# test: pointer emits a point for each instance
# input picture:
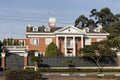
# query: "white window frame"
(35, 28)
(69, 43)
(48, 41)
(87, 41)
(34, 41)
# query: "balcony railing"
(16, 47)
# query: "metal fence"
(75, 61)
(14, 61)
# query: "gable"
(70, 29)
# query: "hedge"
(76, 70)
(1, 68)
(23, 75)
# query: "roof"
(41, 29)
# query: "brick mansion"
(68, 39)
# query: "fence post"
(3, 59)
(118, 58)
(25, 60)
(36, 62)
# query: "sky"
(15, 15)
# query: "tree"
(96, 51)
(115, 42)
(114, 30)
(33, 58)
(104, 17)
(1, 44)
(31, 53)
(81, 21)
(52, 50)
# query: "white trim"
(118, 53)
(65, 53)
(25, 54)
(70, 35)
(97, 34)
(74, 48)
(70, 26)
(2, 54)
(57, 41)
(17, 51)
(37, 33)
(34, 36)
(81, 41)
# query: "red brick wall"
(3, 62)
(41, 46)
(93, 39)
(25, 61)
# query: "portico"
(69, 44)
(69, 40)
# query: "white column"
(74, 54)
(65, 47)
(81, 41)
(57, 41)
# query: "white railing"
(16, 47)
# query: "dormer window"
(86, 29)
(35, 28)
(97, 30)
(47, 29)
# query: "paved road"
(78, 75)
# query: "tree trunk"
(98, 65)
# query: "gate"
(14, 61)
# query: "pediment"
(70, 29)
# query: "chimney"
(29, 28)
(52, 22)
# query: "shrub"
(23, 75)
(52, 50)
(1, 69)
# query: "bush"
(23, 75)
(52, 50)
(1, 69)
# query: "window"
(87, 30)
(97, 30)
(34, 41)
(48, 41)
(69, 43)
(47, 29)
(35, 28)
(87, 41)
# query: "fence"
(75, 61)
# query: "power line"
(31, 19)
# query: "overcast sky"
(15, 15)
